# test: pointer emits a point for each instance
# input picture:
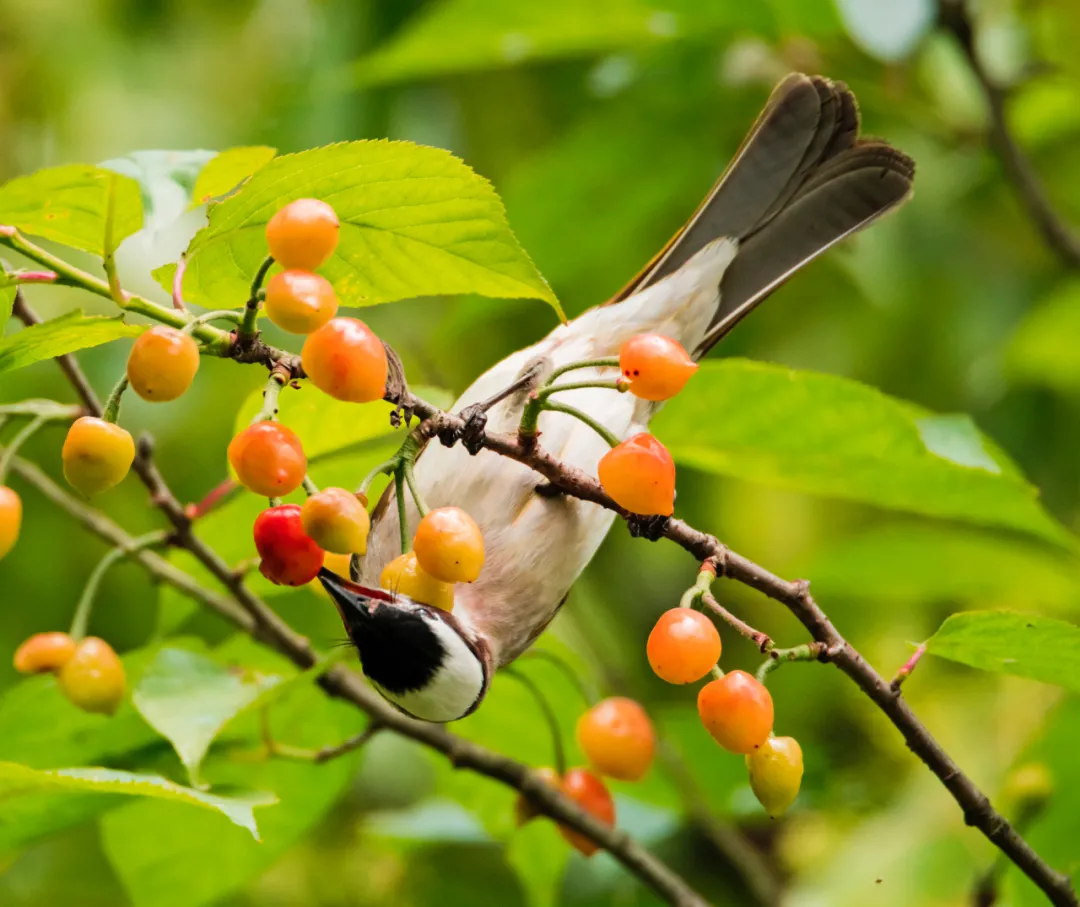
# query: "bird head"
(418, 657)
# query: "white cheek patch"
(454, 688)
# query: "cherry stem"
(609, 362)
(309, 486)
(217, 315)
(705, 578)
(903, 674)
(545, 392)
(178, 285)
(16, 442)
(549, 717)
(81, 619)
(759, 639)
(251, 309)
(403, 516)
(269, 409)
(109, 258)
(601, 430)
(808, 651)
(16, 277)
(213, 498)
(414, 490)
(538, 402)
(587, 691)
(111, 411)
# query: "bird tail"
(801, 182)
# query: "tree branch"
(954, 18)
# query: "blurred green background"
(602, 123)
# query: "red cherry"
(590, 793)
(639, 475)
(289, 556)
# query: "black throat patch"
(398, 648)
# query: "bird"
(802, 180)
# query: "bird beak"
(354, 602)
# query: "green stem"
(692, 596)
(403, 517)
(611, 361)
(383, 469)
(109, 258)
(410, 478)
(81, 619)
(251, 310)
(549, 717)
(46, 408)
(550, 389)
(309, 486)
(601, 430)
(806, 652)
(217, 315)
(270, 399)
(13, 446)
(219, 342)
(587, 691)
(112, 403)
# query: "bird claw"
(471, 430)
(647, 527)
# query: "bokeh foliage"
(600, 124)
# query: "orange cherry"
(97, 455)
(44, 652)
(303, 234)
(162, 363)
(590, 793)
(657, 367)
(639, 476)
(737, 711)
(299, 301)
(268, 459)
(10, 519)
(346, 360)
(449, 545)
(93, 677)
(617, 738)
(683, 646)
(404, 575)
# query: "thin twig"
(759, 639)
(905, 671)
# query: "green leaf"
(7, 302)
(1024, 645)
(415, 221)
(64, 334)
(539, 855)
(1043, 351)
(227, 171)
(67, 204)
(188, 698)
(831, 436)
(28, 792)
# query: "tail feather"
(801, 181)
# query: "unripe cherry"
(299, 301)
(268, 459)
(449, 545)
(303, 234)
(657, 367)
(737, 710)
(639, 476)
(44, 652)
(776, 770)
(590, 793)
(162, 363)
(683, 646)
(346, 360)
(404, 576)
(337, 521)
(524, 808)
(617, 738)
(93, 677)
(10, 519)
(288, 555)
(97, 455)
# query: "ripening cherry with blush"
(639, 476)
(404, 575)
(592, 795)
(299, 301)
(162, 363)
(683, 646)
(737, 711)
(449, 545)
(10, 519)
(776, 770)
(44, 652)
(657, 367)
(337, 521)
(303, 234)
(93, 677)
(617, 738)
(288, 555)
(346, 360)
(268, 459)
(97, 455)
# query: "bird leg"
(647, 527)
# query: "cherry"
(337, 521)
(268, 459)
(97, 455)
(683, 646)
(346, 360)
(617, 738)
(657, 367)
(449, 545)
(589, 792)
(737, 710)
(776, 770)
(162, 363)
(405, 576)
(93, 677)
(300, 302)
(335, 563)
(524, 808)
(303, 234)
(44, 652)
(639, 476)
(10, 519)
(289, 556)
